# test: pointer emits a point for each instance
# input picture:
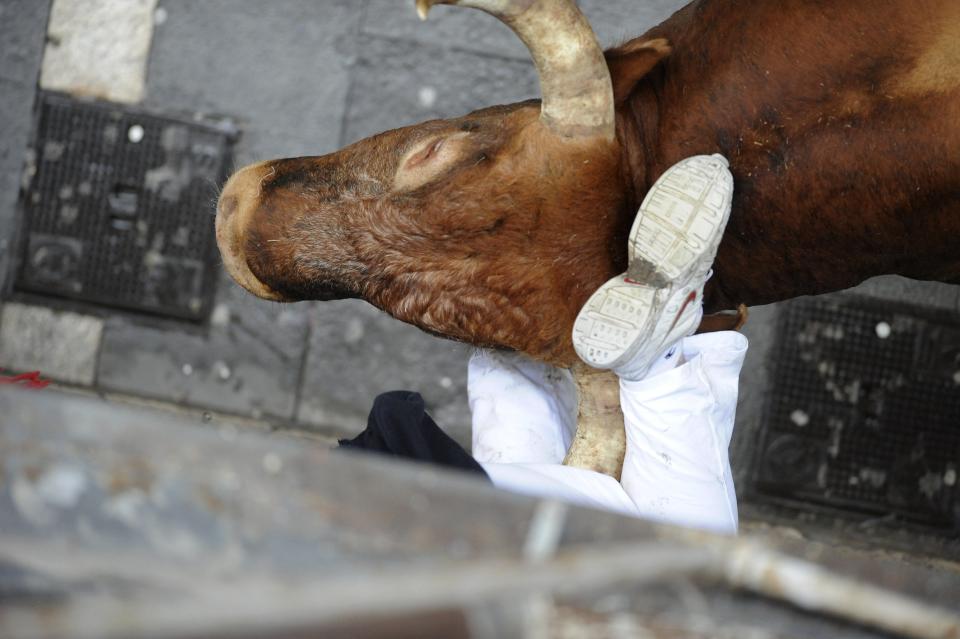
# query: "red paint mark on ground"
(25, 380)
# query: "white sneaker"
(636, 316)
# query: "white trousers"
(679, 420)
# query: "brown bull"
(841, 121)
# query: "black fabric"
(399, 426)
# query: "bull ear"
(630, 62)
(428, 160)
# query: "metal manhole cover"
(119, 210)
(864, 413)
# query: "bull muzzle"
(238, 202)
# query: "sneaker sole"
(678, 226)
(680, 218)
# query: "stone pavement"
(301, 77)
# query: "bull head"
(492, 228)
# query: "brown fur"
(837, 179)
(470, 253)
(841, 121)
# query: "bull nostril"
(228, 206)
(233, 243)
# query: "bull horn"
(574, 79)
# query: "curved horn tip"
(424, 6)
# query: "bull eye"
(424, 155)
(434, 148)
(430, 159)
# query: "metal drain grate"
(119, 210)
(865, 411)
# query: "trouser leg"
(679, 424)
(399, 426)
(522, 411)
